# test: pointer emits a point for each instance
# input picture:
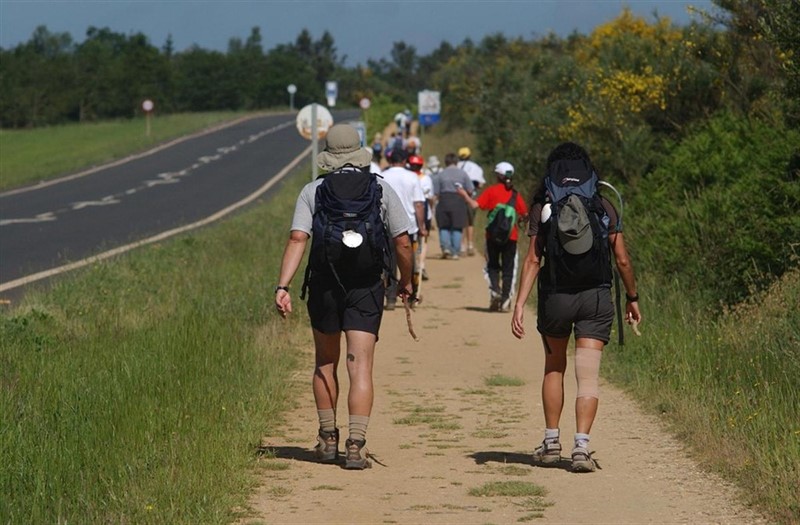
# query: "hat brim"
(328, 161)
(579, 244)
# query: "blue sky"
(361, 29)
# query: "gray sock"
(327, 419)
(551, 434)
(358, 427)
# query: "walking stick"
(407, 308)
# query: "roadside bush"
(722, 212)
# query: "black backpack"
(572, 194)
(501, 221)
(349, 240)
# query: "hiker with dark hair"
(351, 215)
(506, 208)
(575, 230)
(451, 212)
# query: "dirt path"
(439, 430)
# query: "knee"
(587, 371)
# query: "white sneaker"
(506, 306)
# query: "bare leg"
(555, 364)
(326, 381)
(360, 357)
(586, 407)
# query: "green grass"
(137, 390)
(730, 387)
(30, 156)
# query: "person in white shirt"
(407, 186)
(475, 173)
(415, 163)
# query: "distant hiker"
(415, 164)
(506, 207)
(432, 167)
(451, 211)
(475, 173)
(413, 145)
(406, 185)
(343, 212)
(574, 229)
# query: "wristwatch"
(632, 298)
(284, 288)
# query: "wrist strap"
(632, 298)
(284, 288)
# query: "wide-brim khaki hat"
(343, 148)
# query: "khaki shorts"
(589, 312)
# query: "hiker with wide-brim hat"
(340, 303)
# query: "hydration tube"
(617, 228)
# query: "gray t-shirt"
(447, 179)
(392, 211)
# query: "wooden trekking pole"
(407, 308)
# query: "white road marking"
(163, 178)
(161, 236)
(42, 217)
(164, 146)
(105, 201)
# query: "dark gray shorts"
(331, 310)
(590, 312)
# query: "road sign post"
(313, 122)
(292, 89)
(147, 106)
(430, 107)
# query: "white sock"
(551, 434)
(582, 440)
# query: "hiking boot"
(357, 455)
(446, 254)
(495, 301)
(391, 305)
(547, 453)
(454, 257)
(582, 460)
(424, 275)
(327, 448)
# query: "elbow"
(624, 264)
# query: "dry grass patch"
(503, 380)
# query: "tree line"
(53, 79)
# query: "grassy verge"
(29, 156)
(136, 391)
(729, 387)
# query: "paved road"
(49, 227)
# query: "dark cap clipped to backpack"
(343, 147)
(574, 229)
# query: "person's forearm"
(402, 245)
(530, 270)
(292, 256)
(625, 269)
(419, 212)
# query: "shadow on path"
(507, 458)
